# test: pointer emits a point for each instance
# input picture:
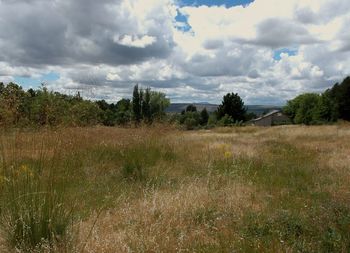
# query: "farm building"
(273, 118)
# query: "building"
(272, 118)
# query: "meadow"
(159, 189)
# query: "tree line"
(41, 107)
(329, 106)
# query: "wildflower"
(26, 170)
(228, 155)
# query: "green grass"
(33, 212)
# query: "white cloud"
(104, 47)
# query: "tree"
(43, 107)
(103, 105)
(250, 116)
(233, 106)
(303, 109)
(204, 117)
(340, 94)
(2, 87)
(47, 108)
(12, 108)
(146, 106)
(123, 111)
(191, 120)
(158, 103)
(136, 104)
(85, 113)
(327, 109)
(109, 112)
(191, 108)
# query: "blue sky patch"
(227, 3)
(182, 19)
(27, 82)
(277, 53)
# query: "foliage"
(250, 116)
(331, 105)
(123, 113)
(12, 108)
(109, 113)
(226, 120)
(47, 108)
(302, 109)
(85, 113)
(42, 107)
(191, 108)
(204, 117)
(158, 103)
(192, 119)
(146, 106)
(339, 94)
(233, 106)
(212, 121)
(136, 104)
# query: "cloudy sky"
(268, 51)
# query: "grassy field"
(248, 189)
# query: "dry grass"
(222, 190)
(169, 221)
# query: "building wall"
(267, 121)
(280, 118)
(274, 119)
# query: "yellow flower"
(228, 155)
(25, 169)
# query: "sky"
(267, 51)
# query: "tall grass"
(33, 212)
(281, 189)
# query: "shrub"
(226, 121)
(85, 113)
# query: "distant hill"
(178, 107)
(257, 109)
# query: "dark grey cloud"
(332, 9)
(277, 33)
(253, 74)
(306, 16)
(66, 32)
(213, 44)
(327, 11)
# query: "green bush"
(226, 121)
(85, 113)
